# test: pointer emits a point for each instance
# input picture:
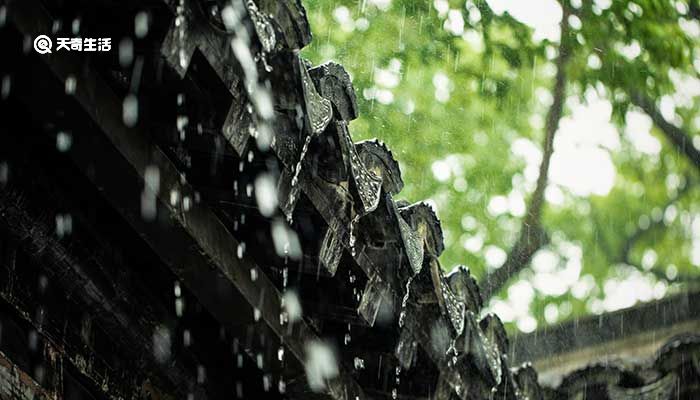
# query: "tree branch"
(532, 235)
(674, 134)
(694, 9)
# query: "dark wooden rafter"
(78, 279)
(111, 288)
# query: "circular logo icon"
(43, 44)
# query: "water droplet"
(280, 353)
(64, 140)
(126, 52)
(75, 26)
(292, 306)
(141, 24)
(266, 382)
(186, 338)
(71, 84)
(174, 197)
(179, 306)
(6, 87)
(64, 225)
(130, 110)
(359, 363)
(321, 365)
(201, 374)
(404, 302)
(4, 172)
(3, 15)
(161, 344)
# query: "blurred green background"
(461, 91)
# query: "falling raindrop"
(182, 122)
(180, 24)
(39, 373)
(64, 140)
(292, 305)
(280, 354)
(70, 85)
(404, 302)
(201, 374)
(33, 340)
(141, 22)
(256, 314)
(130, 110)
(126, 52)
(161, 344)
(320, 365)
(285, 240)
(4, 172)
(294, 190)
(75, 26)
(64, 225)
(179, 306)
(352, 235)
(151, 177)
(6, 87)
(174, 197)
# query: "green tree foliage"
(461, 94)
